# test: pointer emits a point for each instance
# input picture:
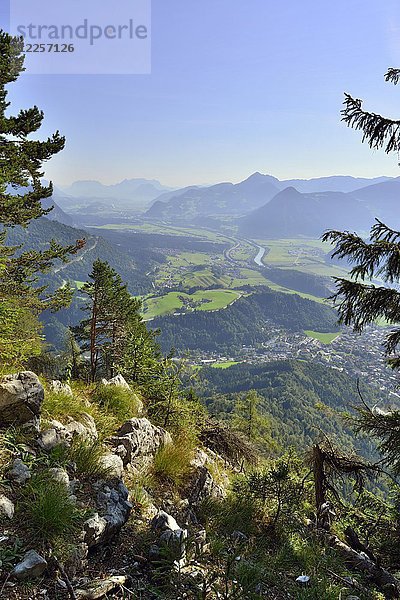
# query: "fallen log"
(386, 582)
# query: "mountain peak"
(288, 192)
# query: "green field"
(176, 301)
(204, 234)
(306, 255)
(224, 365)
(324, 338)
(217, 298)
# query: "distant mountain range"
(340, 194)
(292, 214)
(125, 190)
(263, 206)
(86, 198)
(224, 199)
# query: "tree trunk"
(319, 477)
(389, 585)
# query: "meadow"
(324, 338)
(179, 301)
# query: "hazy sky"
(236, 87)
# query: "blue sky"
(236, 87)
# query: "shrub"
(87, 457)
(121, 403)
(138, 495)
(47, 510)
(234, 513)
(181, 416)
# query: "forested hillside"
(302, 400)
(40, 232)
(245, 322)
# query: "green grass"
(169, 303)
(121, 403)
(61, 407)
(306, 255)
(218, 298)
(172, 462)
(184, 259)
(162, 305)
(280, 288)
(87, 457)
(249, 277)
(47, 511)
(204, 234)
(325, 338)
(225, 365)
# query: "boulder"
(117, 380)
(21, 397)
(32, 565)
(164, 522)
(172, 540)
(20, 472)
(60, 475)
(59, 434)
(202, 486)
(86, 427)
(113, 464)
(95, 528)
(113, 510)
(6, 507)
(99, 588)
(138, 438)
(61, 388)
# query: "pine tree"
(21, 195)
(360, 301)
(112, 312)
(249, 420)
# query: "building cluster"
(359, 355)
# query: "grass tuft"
(172, 462)
(87, 458)
(47, 510)
(118, 402)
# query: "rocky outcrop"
(113, 465)
(61, 476)
(21, 396)
(59, 434)
(202, 486)
(113, 512)
(99, 588)
(138, 439)
(117, 380)
(172, 540)
(32, 565)
(61, 388)
(6, 507)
